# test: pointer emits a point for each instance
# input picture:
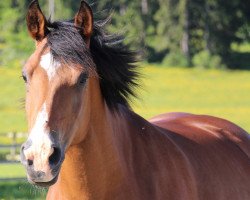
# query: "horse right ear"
(84, 20)
(36, 22)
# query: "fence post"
(14, 145)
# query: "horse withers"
(86, 143)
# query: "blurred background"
(196, 59)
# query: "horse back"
(203, 127)
(217, 150)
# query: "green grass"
(17, 189)
(20, 190)
(12, 116)
(12, 171)
(224, 94)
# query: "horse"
(85, 142)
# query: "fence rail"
(12, 155)
(13, 146)
(8, 146)
(12, 179)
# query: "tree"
(221, 21)
(13, 40)
(162, 28)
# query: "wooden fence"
(13, 151)
(13, 146)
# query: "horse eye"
(24, 78)
(82, 79)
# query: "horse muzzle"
(42, 164)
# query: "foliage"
(14, 44)
(175, 59)
(155, 27)
(205, 60)
(171, 21)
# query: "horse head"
(57, 77)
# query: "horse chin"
(44, 184)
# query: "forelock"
(67, 45)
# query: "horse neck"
(92, 165)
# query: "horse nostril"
(55, 157)
(30, 162)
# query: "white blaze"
(49, 65)
(41, 149)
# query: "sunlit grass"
(12, 171)
(20, 190)
(224, 94)
(12, 116)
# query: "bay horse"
(85, 142)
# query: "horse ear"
(84, 19)
(36, 22)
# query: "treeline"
(173, 32)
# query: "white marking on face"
(49, 65)
(41, 149)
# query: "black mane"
(108, 55)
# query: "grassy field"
(224, 94)
(11, 94)
(17, 189)
(12, 171)
(20, 190)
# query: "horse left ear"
(36, 22)
(84, 20)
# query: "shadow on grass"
(20, 190)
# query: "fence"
(9, 151)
